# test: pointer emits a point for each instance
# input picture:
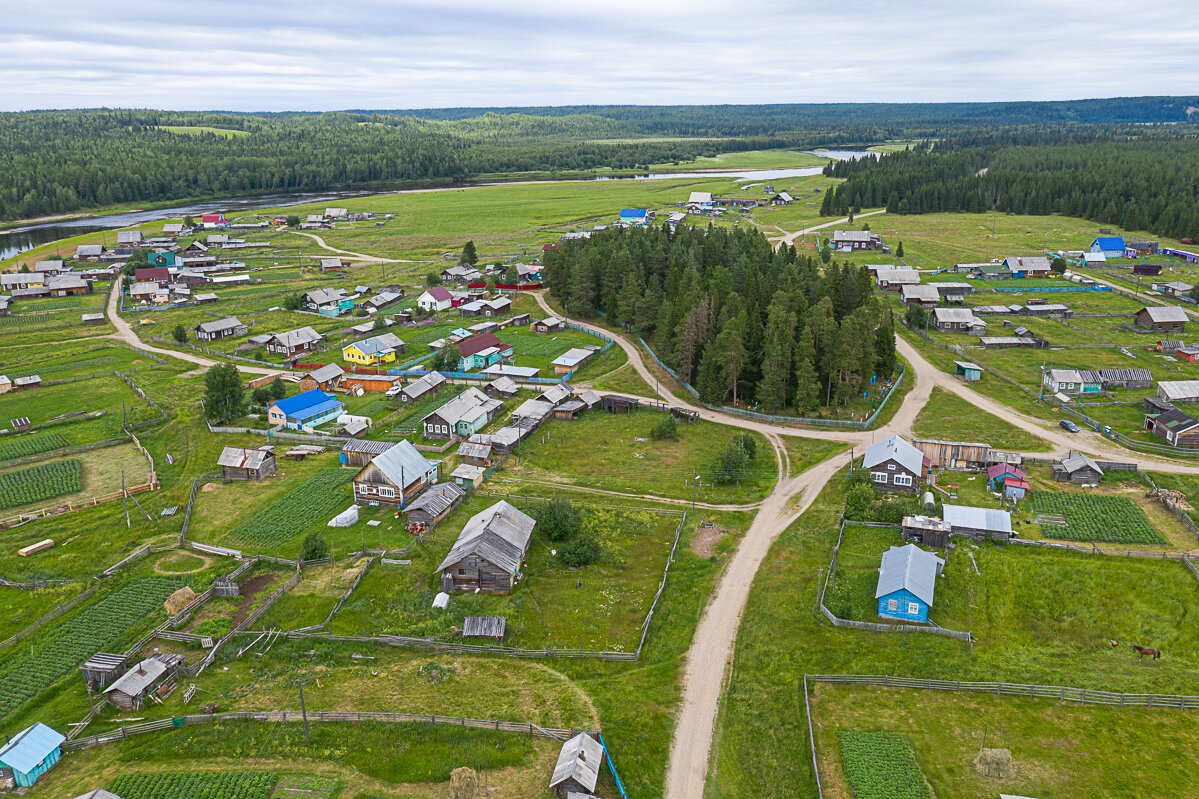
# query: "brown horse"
(1144, 650)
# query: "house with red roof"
(435, 299)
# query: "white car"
(394, 391)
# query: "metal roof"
(465, 471)
(380, 343)
(29, 747)
(533, 409)
(990, 519)
(573, 357)
(955, 315)
(367, 446)
(99, 793)
(1178, 390)
(504, 385)
(307, 403)
(1077, 460)
(968, 365)
(908, 568)
(439, 498)
(895, 448)
(216, 326)
(402, 464)
(298, 337)
(329, 371)
(500, 535)
(556, 394)
(469, 405)
(135, 681)
(1159, 314)
(580, 760)
(1109, 242)
(470, 449)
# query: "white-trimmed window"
(903, 480)
(913, 609)
(386, 491)
(893, 604)
(890, 467)
(878, 477)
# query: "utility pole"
(304, 711)
(694, 480)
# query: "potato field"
(49, 655)
(1095, 518)
(196, 785)
(313, 500)
(881, 765)
(44, 481)
(24, 446)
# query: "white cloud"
(374, 54)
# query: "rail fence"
(62, 452)
(56, 612)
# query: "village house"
(487, 308)
(129, 238)
(129, 691)
(383, 299)
(13, 281)
(90, 252)
(435, 503)
(153, 274)
(463, 415)
(490, 551)
(481, 351)
(331, 264)
(421, 386)
(953, 292)
(1175, 288)
(572, 359)
(1176, 427)
(781, 198)
(460, 273)
(1161, 319)
(926, 296)
(330, 302)
(635, 217)
(504, 387)
(173, 229)
(437, 298)
(29, 754)
(305, 410)
(240, 463)
(144, 292)
(294, 342)
(1094, 260)
(1110, 246)
(220, 328)
(49, 268)
(1178, 391)
(1077, 467)
(1036, 266)
(326, 378)
(550, 324)
(894, 465)
(214, 221)
(958, 320)
(978, 523)
(578, 767)
(395, 476)
(377, 349)
(1072, 382)
(699, 201)
(853, 240)
(907, 581)
(68, 285)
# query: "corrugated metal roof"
(908, 568)
(305, 403)
(468, 449)
(896, 448)
(437, 499)
(329, 371)
(239, 458)
(580, 759)
(135, 681)
(402, 464)
(990, 519)
(1160, 314)
(1178, 390)
(30, 747)
(367, 446)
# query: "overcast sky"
(302, 55)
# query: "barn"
(978, 523)
(490, 551)
(953, 454)
(907, 580)
(435, 504)
(358, 452)
(29, 754)
(1161, 318)
(238, 463)
(130, 690)
(1077, 467)
(927, 530)
(578, 766)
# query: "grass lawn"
(101, 394)
(602, 450)
(1058, 750)
(1040, 616)
(20, 608)
(950, 418)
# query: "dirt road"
(126, 334)
(374, 259)
(791, 237)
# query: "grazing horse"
(1144, 650)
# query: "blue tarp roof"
(307, 404)
(1110, 242)
(634, 212)
(29, 747)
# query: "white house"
(437, 298)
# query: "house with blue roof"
(635, 216)
(907, 579)
(31, 753)
(306, 410)
(1110, 246)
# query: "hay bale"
(464, 783)
(995, 763)
(179, 600)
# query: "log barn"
(490, 551)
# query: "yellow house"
(375, 350)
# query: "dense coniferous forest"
(54, 162)
(1138, 183)
(733, 316)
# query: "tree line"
(1142, 182)
(732, 315)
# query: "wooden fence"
(344, 596)
(342, 716)
(460, 648)
(57, 611)
(198, 667)
(61, 452)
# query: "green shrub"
(557, 520)
(667, 428)
(583, 551)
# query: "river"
(18, 240)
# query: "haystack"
(179, 600)
(464, 783)
(994, 763)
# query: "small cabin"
(906, 583)
(129, 692)
(29, 754)
(238, 463)
(490, 552)
(435, 504)
(578, 766)
(1077, 467)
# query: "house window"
(878, 477)
(892, 604)
(913, 609)
(890, 467)
(462, 571)
(903, 480)
(386, 491)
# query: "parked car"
(1068, 426)
(394, 391)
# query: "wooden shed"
(238, 463)
(490, 551)
(954, 454)
(927, 530)
(435, 504)
(476, 454)
(614, 403)
(578, 766)
(130, 690)
(569, 410)
(1077, 467)
(102, 669)
(327, 378)
(358, 452)
(492, 627)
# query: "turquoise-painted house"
(31, 753)
(161, 258)
(907, 579)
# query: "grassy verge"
(947, 416)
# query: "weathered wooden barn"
(1077, 467)
(239, 463)
(954, 454)
(435, 503)
(490, 551)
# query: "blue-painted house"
(31, 753)
(309, 409)
(635, 216)
(1110, 246)
(907, 579)
(161, 258)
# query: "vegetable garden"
(316, 498)
(40, 482)
(196, 784)
(60, 650)
(1095, 518)
(882, 765)
(68, 366)
(24, 446)
(25, 319)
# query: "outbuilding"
(435, 503)
(29, 754)
(130, 690)
(490, 551)
(239, 463)
(326, 378)
(358, 452)
(1161, 318)
(967, 372)
(978, 523)
(578, 766)
(467, 477)
(1077, 467)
